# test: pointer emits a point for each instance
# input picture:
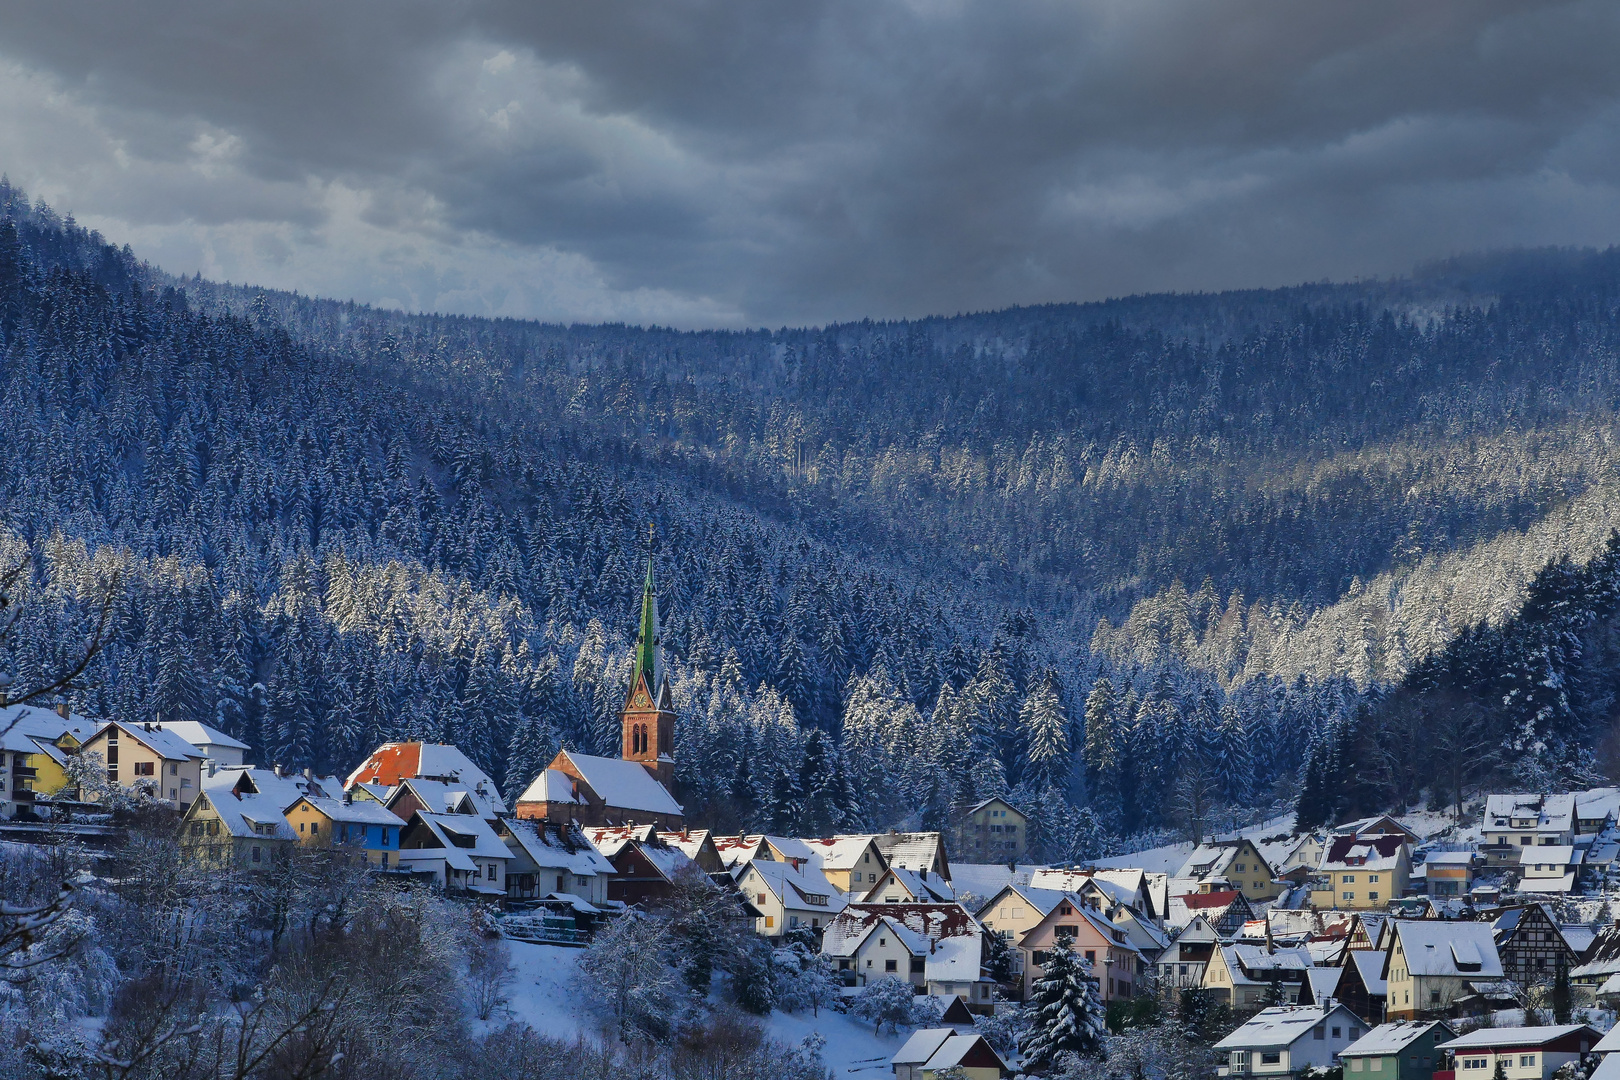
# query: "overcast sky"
(761, 162)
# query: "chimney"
(213, 766)
(61, 708)
(147, 726)
(308, 775)
(276, 769)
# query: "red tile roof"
(1219, 899)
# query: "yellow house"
(1231, 863)
(852, 864)
(362, 827)
(144, 755)
(1431, 962)
(35, 744)
(1362, 872)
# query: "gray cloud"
(696, 162)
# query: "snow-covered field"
(543, 996)
(1168, 859)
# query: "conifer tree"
(1066, 1015)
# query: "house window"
(1091, 956)
(1319, 1032)
(891, 965)
(255, 852)
(1240, 1060)
(1373, 878)
(1270, 1057)
(1336, 1032)
(145, 768)
(314, 827)
(916, 965)
(1372, 895)
(490, 871)
(1347, 895)
(174, 768)
(1348, 879)
(1434, 997)
(1527, 1061)
(770, 921)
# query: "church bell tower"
(649, 709)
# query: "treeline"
(1531, 702)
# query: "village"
(1486, 948)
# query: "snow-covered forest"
(1130, 561)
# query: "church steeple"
(649, 655)
(648, 719)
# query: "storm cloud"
(699, 163)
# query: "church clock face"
(641, 700)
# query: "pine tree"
(1046, 732)
(1065, 1013)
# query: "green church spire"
(647, 658)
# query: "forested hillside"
(1142, 559)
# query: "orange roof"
(390, 763)
(1194, 901)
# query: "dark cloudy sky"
(764, 162)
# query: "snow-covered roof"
(624, 785)
(789, 848)
(1324, 981)
(1435, 947)
(954, 1049)
(1554, 859)
(466, 833)
(1252, 964)
(915, 943)
(245, 813)
(201, 735)
(1449, 858)
(537, 843)
(283, 791)
(1392, 1038)
(1579, 938)
(921, 887)
(799, 889)
(737, 850)
(156, 738)
(1562, 883)
(1363, 853)
(37, 722)
(688, 842)
(1278, 1026)
(392, 762)
(442, 798)
(611, 839)
(838, 852)
(1598, 803)
(913, 850)
(1486, 1038)
(954, 960)
(364, 812)
(1543, 813)
(1370, 966)
(921, 1046)
(1042, 900)
(987, 879)
(669, 861)
(551, 786)
(932, 921)
(380, 792)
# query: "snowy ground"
(542, 994)
(544, 997)
(1168, 859)
(851, 1051)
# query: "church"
(637, 787)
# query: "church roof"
(624, 785)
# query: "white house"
(217, 747)
(1513, 822)
(1525, 1053)
(787, 898)
(1285, 1041)
(1549, 869)
(460, 851)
